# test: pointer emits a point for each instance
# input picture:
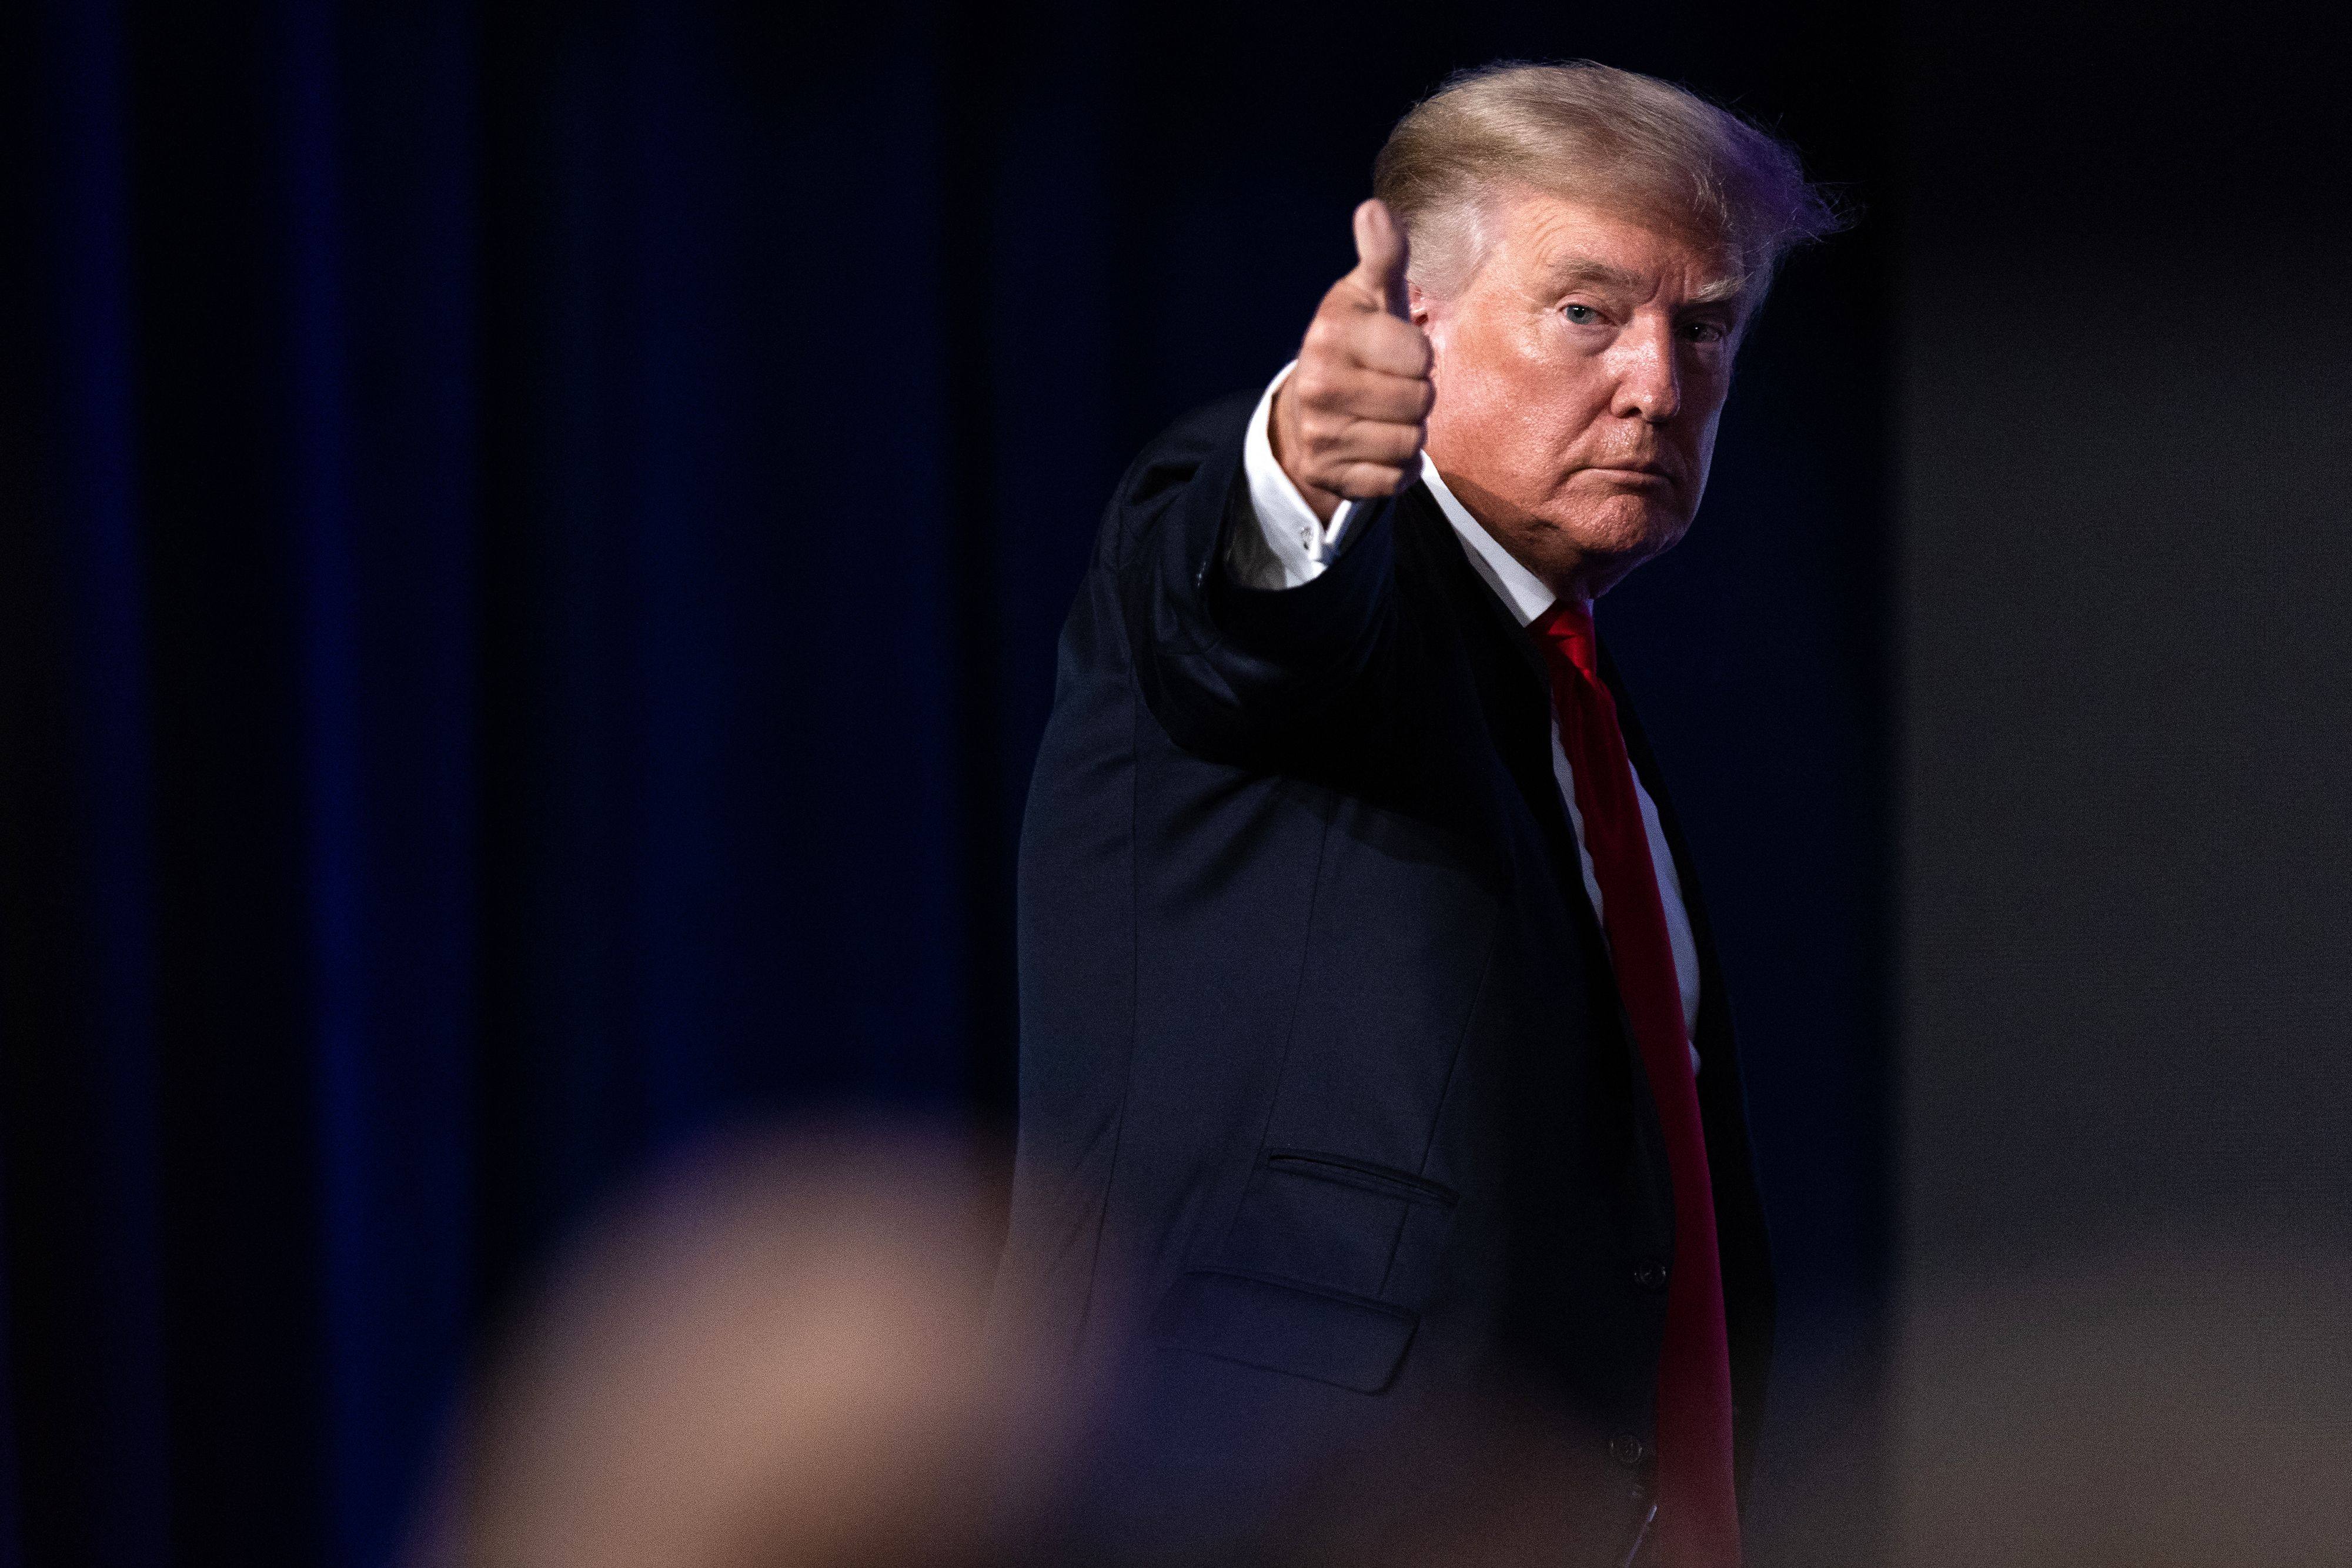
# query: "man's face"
(1580, 373)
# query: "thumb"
(1381, 256)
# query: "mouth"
(1634, 473)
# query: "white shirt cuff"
(1290, 545)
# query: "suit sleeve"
(1229, 669)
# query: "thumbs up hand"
(1351, 421)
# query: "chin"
(1623, 529)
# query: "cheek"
(1702, 440)
(1469, 396)
(1489, 425)
(1509, 407)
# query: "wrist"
(1321, 502)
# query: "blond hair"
(1591, 132)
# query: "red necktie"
(1698, 1517)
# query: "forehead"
(1547, 242)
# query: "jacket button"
(1627, 1449)
(1651, 1276)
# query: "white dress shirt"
(1291, 546)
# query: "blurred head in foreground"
(769, 1357)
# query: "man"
(1373, 1051)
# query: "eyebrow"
(1583, 269)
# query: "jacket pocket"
(1360, 1173)
(1341, 1224)
(1281, 1327)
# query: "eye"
(1581, 315)
(1705, 331)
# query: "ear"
(1417, 303)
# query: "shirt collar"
(1521, 590)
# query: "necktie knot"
(1566, 629)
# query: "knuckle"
(1347, 399)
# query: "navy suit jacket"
(1328, 1108)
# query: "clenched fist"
(1351, 421)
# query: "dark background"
(532, 543)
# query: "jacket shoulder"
(1165, 466)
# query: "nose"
(1649, 378)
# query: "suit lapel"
(1741, 1241)
(1514, 687)
(1645, 768)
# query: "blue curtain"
(533, 541)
